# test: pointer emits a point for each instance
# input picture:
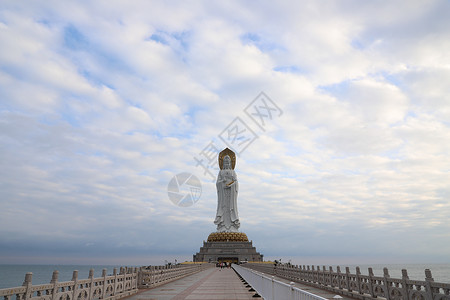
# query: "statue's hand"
(229, 184)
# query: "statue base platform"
(231, 247)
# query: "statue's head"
(227, 162)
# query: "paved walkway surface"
(212, 283)
(215, 283)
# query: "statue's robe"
(227, 217)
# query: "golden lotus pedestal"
(231, 247)
(227, 237)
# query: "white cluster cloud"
(101, 104)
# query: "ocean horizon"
(13, 275)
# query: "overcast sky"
(102, 103)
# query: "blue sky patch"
(159, 38)
(357, 44)
(262, 44)
(288, 69)
(337, 88)
(174, 40)
(74, 39)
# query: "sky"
(338, 112)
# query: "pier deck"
(212, 283)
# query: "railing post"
(28, 283)
(152, 275)
(91, 285)
(358, 280)
(428, 280)
(115, 280)
(75, 284)
(331, 277)
(387, 284)
(139, 277)
(313, 274)
(339, 277)
(405, 288)
(302, 273)
(55, 283)
(372, 292)
(104, 283)
(347, 278)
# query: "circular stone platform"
(227, 237)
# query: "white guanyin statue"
(227, 218)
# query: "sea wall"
(358, 286)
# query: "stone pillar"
(309, 274)
(139, 277)
(405, 288)
(28, 284)
(387, 285)
(358, 280)
(347, 278)
(75, 284)
(318, 274)
(428, 280)
(28, 279)
(339, 276)
(331, 277)
(91, 286)
(115, 280)
(54, 280)
(75, 275)
(55, 276)
(104, 283)
(372, 292)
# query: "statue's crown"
(224, 153)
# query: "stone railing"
(107, 287)
(365, 287)
(114, 286)
(157, 275)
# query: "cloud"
(101, 105)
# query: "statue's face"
(227, 162)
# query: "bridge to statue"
(245, 281)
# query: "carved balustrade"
(360, 286)
(107, 287)
(157, 275)
(113, 286)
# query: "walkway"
(212, 283)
